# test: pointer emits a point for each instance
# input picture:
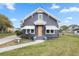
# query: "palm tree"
(4, 23)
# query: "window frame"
(41, 16)
(50, 31)
(30, 31)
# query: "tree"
(4, 23)
(74, 26)
(63, 28)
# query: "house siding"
(34, 17)
(53, 35)
(49, 21)
(30, 20)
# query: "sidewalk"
(8, 39)
(20, 46)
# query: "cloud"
(71, 9)
(69, 18)
(13, 19)
(54, 6)
(14, 22)
(67, 21)
(10, 6)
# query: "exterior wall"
(48, 19)
(10, 30)
(24, 32)
(30, 20)
(53, 35)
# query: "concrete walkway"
(20, 46)
(8, 39)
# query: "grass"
(65, 45)
(2, 35)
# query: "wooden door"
(40, 31)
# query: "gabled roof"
(43, 11)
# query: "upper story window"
(40, 16)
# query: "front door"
(40, 30)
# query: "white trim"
(26, 31)
(36, 11)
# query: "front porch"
(41, 31)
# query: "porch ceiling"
(40, 22)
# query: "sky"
(67, 13)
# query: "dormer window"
(40, 16)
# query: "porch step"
(40, 37)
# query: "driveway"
(8, 39)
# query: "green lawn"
(64, 45)
(2, 35)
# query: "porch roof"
(28, 27)
(52, 27)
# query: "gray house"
(40, 24)
(76, 31)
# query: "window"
(23, 31)
(28, 30)
(77, 31)
(47, 31)
(52, 31)
(32, 30)
(40, 16)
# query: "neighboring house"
(40, 24)
(8, 29)
(76, 31)
(72, 29)
(11, 30)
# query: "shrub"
(24, 36)
(18, 32)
